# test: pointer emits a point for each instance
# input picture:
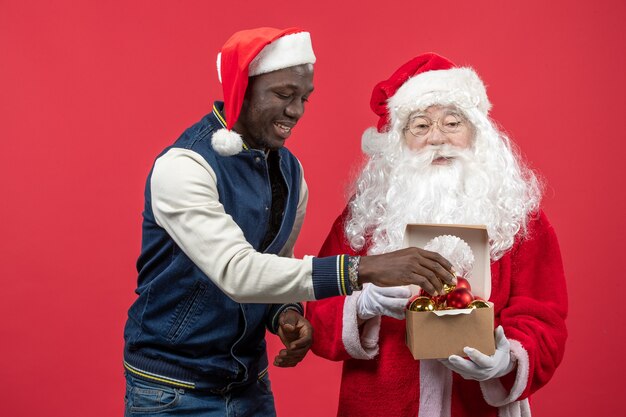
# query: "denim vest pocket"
(186, 311)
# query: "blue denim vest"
(183, 330)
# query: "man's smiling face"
(273, 104)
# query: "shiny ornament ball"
(448, 288)
(459, 298)
(478, 304)
(423, 293)
(463, 283)
(440, 301)
(421, 303)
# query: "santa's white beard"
(395, 190)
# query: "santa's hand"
(481, 367)
(382, 301)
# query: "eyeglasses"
(421, 125)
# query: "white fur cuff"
(359, 345)
(493, 391)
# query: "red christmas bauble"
(440, 301)
(423, 293)
(459, 298)
(463, 283)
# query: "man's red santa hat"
(425, 80)
(248, 53)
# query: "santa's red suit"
(381, 378)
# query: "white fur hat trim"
(458, 86)
(284, 52)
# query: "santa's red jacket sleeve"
(530, 299)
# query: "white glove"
(378, 301)
(481, 367)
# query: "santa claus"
(436, 157)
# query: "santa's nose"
(436, 136)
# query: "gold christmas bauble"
(448, 288)
(422, 304)
(478, 304)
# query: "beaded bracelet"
(353, 273)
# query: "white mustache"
(446, 152)
(426, 156)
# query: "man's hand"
(382, 301)
(481, 367)
(296, 333)
(407, 266)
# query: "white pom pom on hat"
(248, 53)
(373, 141)
(227, 142)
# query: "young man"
(436, 157)
(224, 206)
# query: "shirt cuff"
(330, 276)
(276, 310)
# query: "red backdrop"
(90, 92)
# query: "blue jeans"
(146, 399)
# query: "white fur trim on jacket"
(435, 389)
(227, 142)
(363, 344)
(515, 409)
(284, 52)
(459, 86)
(495, 394)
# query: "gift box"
(439, 334)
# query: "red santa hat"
(425, 80)
(248, 53)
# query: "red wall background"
(91, 91)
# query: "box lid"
(418, 235)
